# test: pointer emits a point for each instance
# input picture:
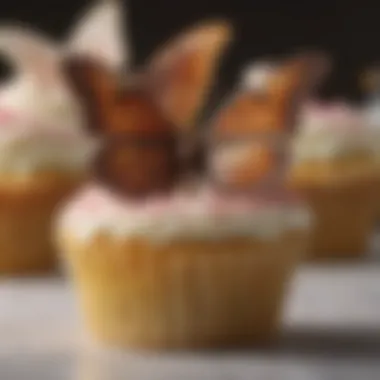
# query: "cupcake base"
(183, 295)
(377, 205)
(26, 209)
(344, 220)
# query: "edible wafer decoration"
(141, 119)
(112, 109)
(250, 132)
(181, 74)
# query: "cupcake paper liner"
(182, 294)
(26, 213)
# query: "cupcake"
(44, 151)
(371, 112)
(191, 269)
(159, 254)
(334, 167)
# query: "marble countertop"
(331, 332)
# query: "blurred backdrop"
(348, 30)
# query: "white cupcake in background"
(44, 148)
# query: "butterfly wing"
(96, 88)
(141, 152)
(251, 132)
(138, 153)
(295, 81)
(137, 166)
(181, 73)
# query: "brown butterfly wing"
(245, 114)
(139, 165)
(296, 79)
(245, 142)
(136, 112)
(139, 147)
(96, 88)
(247, 163)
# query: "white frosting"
(255, 77)
(32, 151)
(195, 215)
(40, 128)
(328, 132)
(54, 106)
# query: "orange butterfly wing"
(251, 131)
(182, 72)
(244, 154)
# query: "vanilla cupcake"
(44, 149)
(191, 269)
(159, 255)
(371, 112)
(334, 167)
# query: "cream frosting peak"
(255, 77)
(328, 131)
(40, 128)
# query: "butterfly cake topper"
(146, 119)
(250, 133)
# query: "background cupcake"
(43, 150)
(370, 82)
(335, 169)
